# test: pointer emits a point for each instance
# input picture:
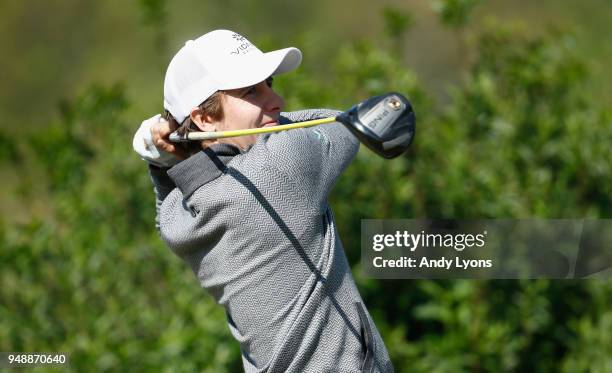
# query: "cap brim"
(260, 68)
(290, 59)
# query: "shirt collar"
(202, 168)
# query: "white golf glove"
(143, 145)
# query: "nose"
(274, 102)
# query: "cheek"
(241, 114)
(246, 115)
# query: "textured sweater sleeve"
(313, 157)
(162, 185)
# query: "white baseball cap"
(219, 60)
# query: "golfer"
(250, 214)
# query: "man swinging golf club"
(249, 214)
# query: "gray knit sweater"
(257, 230)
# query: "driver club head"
(384, 123)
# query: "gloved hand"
(152, 144)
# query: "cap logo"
(244, 46)
(237, 36)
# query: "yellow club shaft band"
(257, 131)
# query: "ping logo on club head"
(374, 122)
(380, 117)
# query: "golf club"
(384, 123)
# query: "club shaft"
(257, 131)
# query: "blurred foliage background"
(514, 120)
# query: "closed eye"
(252, 90)
(249, 91)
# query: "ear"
(204, 121)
